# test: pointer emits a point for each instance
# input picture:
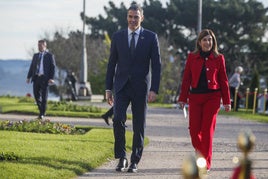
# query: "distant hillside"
(13, 75)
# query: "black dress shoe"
(106, 119)
(122, 165)
(40, 117)
(133, 168)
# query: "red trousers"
(203, 110)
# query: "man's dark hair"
(135, 7)
(43, 41)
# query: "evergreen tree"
(239, 25)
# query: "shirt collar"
(43, 52)
(136, 31)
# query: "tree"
(116, 19)
(255, 84)
(239, 26)
(67, 50)
(68, 53)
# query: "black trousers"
(128, 95)
(40, 90)
(110, 112)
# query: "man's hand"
(151, 96)
(109, 97)
(28, 80)
(51, 81)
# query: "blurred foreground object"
(194, 168)
(246, 141)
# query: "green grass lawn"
(55, 156)
(242, 113)
(247, 115)
(60, 155)
(26, 105)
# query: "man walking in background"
(134, 58)
(41, 73)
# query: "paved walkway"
(170, 144)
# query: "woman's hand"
(227, 107)
(181, 104)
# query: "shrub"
(8, 156)
(64, 106)
(39, 126)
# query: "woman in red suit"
(204, 84)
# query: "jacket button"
(206, 58)
(209, 81)
(207, 69)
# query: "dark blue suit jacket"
(121, 67)
(48, 64)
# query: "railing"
(256, 95)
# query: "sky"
(24, 22)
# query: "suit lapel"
(125, 42)
(35, 61)
(44, 59)
(140, 39)
(125, 39)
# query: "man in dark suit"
(133, 74)
(41, 73)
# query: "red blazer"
(215, 72)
